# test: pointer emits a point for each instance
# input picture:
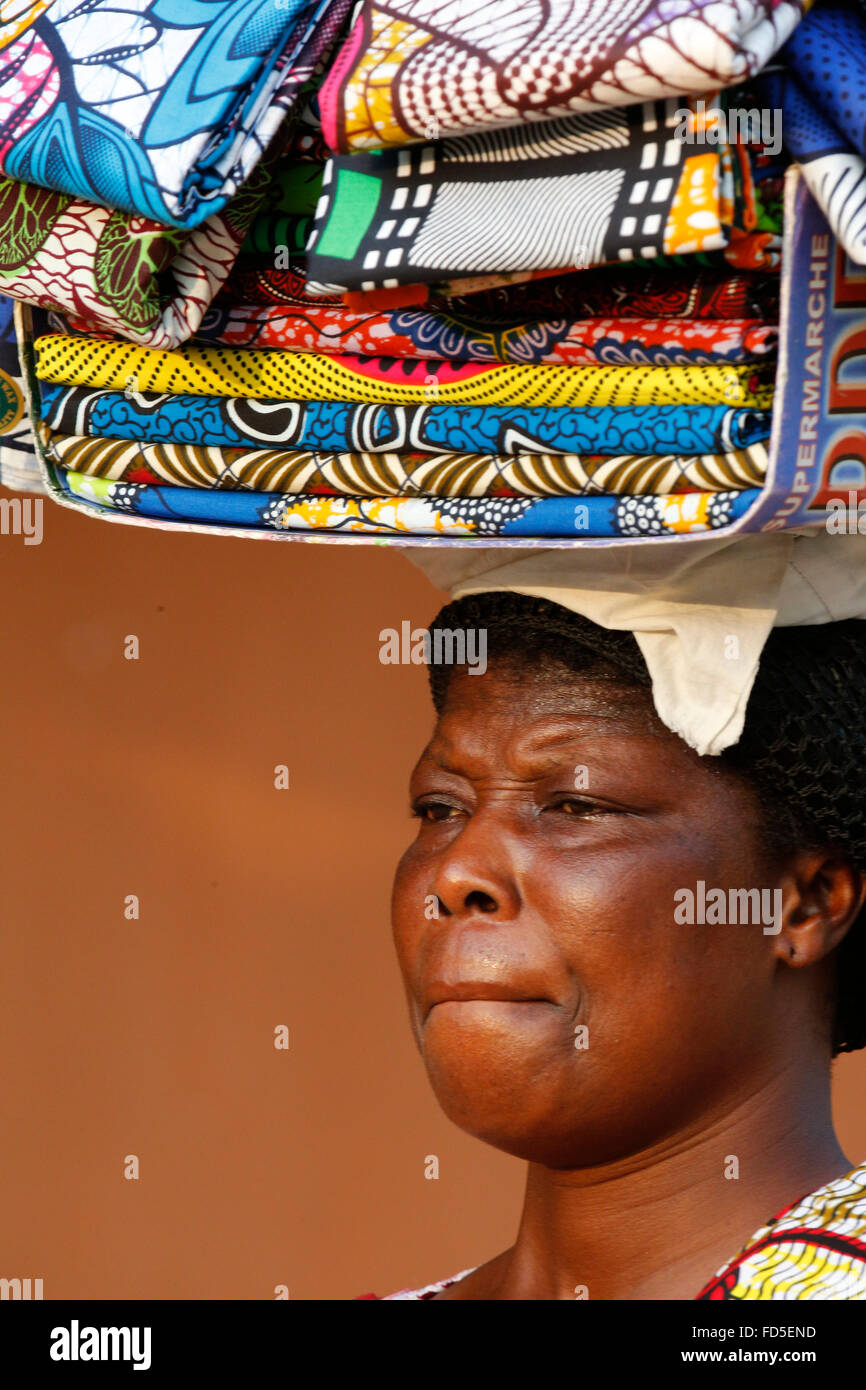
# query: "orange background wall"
(258, 907)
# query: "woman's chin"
(498, 1078)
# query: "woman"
(595, 986)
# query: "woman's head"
(567, 1009)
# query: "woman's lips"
(476, 991)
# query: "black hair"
(803, 747)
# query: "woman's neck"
(661, 1223)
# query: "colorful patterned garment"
(308, 376)
(814, 1249)
(427, 1291)
(431, 333)
(18, 465)
(336, 427)
(418, 70)
(108, 270)
(163, 109)
(575, 192)
(484, 517)
(663, 291)
(822, 95)
(400, 475)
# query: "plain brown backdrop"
(258, 908)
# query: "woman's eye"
(578, 806)
(434, 811)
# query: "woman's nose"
(475, 876)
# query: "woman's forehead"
(513, 690)
(534, 725)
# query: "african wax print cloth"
(420, 70)
(18, 466)
(484, 517)
(336, 427)
(822, 95)
(161, 109)
(620, 291)
(111, 270)
(390, 474)
(814, 1249)
(759, 250)
(72, 361)
(453, 337)
(575, 192)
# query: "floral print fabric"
(117, 272)
(453, 337)
(161, 109)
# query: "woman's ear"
(822, 894)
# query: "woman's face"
(562, 1012)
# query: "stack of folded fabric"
(545, 306)
(132, 139)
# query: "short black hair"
(803, 747)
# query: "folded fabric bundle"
(757, 251)
(432, 333)
(822, 94)
(461, 516)
(575, 192)
(413, 69)
(16, 440)
(163, 109)
(308, 376)
(645, 290)
(336, 427)
(387, 474)
(113, 271)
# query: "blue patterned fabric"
(161, 108)
(484, 517)
(821, 91)
(336, 427)
(827, 55)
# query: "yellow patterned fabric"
(814, 1249)
(72, 361)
